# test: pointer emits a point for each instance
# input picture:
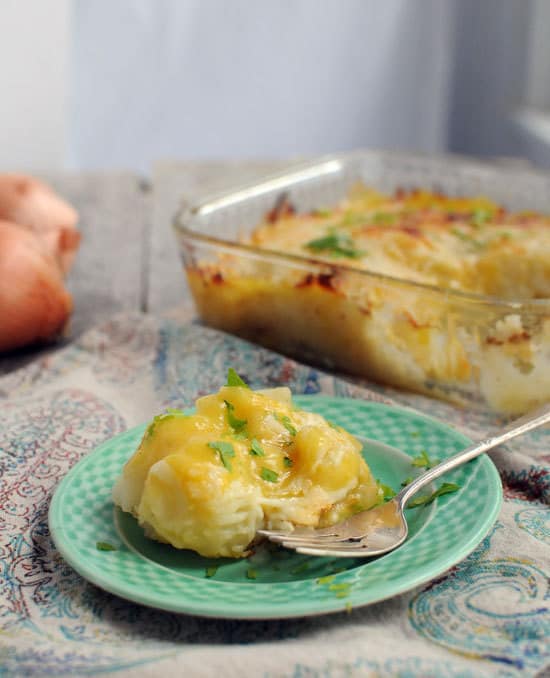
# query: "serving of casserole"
(423, 273)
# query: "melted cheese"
(186, 492)
(390, 330)
(467, 244)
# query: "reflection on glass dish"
(446, 296)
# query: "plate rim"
(331, 605)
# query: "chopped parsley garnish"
(233, 379)
(285, 421)
(171, 413)
(407, 481)
(287, 461)
(481, 216)
(256, 450)
(341, 590)
(339, 587)
(236, 424)
(426, 499)
(322, 212)
(251, 573)
(384, 218)
(423, 461)
(226, 452)
(336, 245)
(326, 580)
(302, 567)
(104, 546)
(269, 475)
(210, 571)
(388, 491)
(467, 238)
(352, 218)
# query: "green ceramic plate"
(275, 583)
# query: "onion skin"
(34, 304)
(32, 204)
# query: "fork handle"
(515, 428)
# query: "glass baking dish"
(470, 349)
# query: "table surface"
(128, 262)
(127, 259)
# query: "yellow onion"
(34, 205)
(34, 304)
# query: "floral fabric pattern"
(488, 616)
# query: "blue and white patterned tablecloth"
(488, 616)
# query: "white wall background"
(122, 83)
(491, 56)
(211, 78)
(34, 83)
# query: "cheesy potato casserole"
(245, 460)
(365, 284)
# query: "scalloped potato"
(245, 460)
(381, 286)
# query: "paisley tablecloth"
(488, 616)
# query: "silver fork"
(384, 527)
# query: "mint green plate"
(274, 582)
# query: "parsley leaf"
(481, 216)
(104, 546)
(285, 421)
(326, 580)
(171, 413)
(384, 218)
(302, 567)
(210, 572)
(476, 244)
(287, 461)
(352, 218)
(256, 450)
(174, 411)
(388, 491)
(423, 461)
(426, 499)
(336, 245)
(226, 452)
(322, 212)
(233, 379)
(407, 481)
(236, 424)
(251, 573)
(341, 590)
(269, 475)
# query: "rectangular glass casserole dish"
(467, 348)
